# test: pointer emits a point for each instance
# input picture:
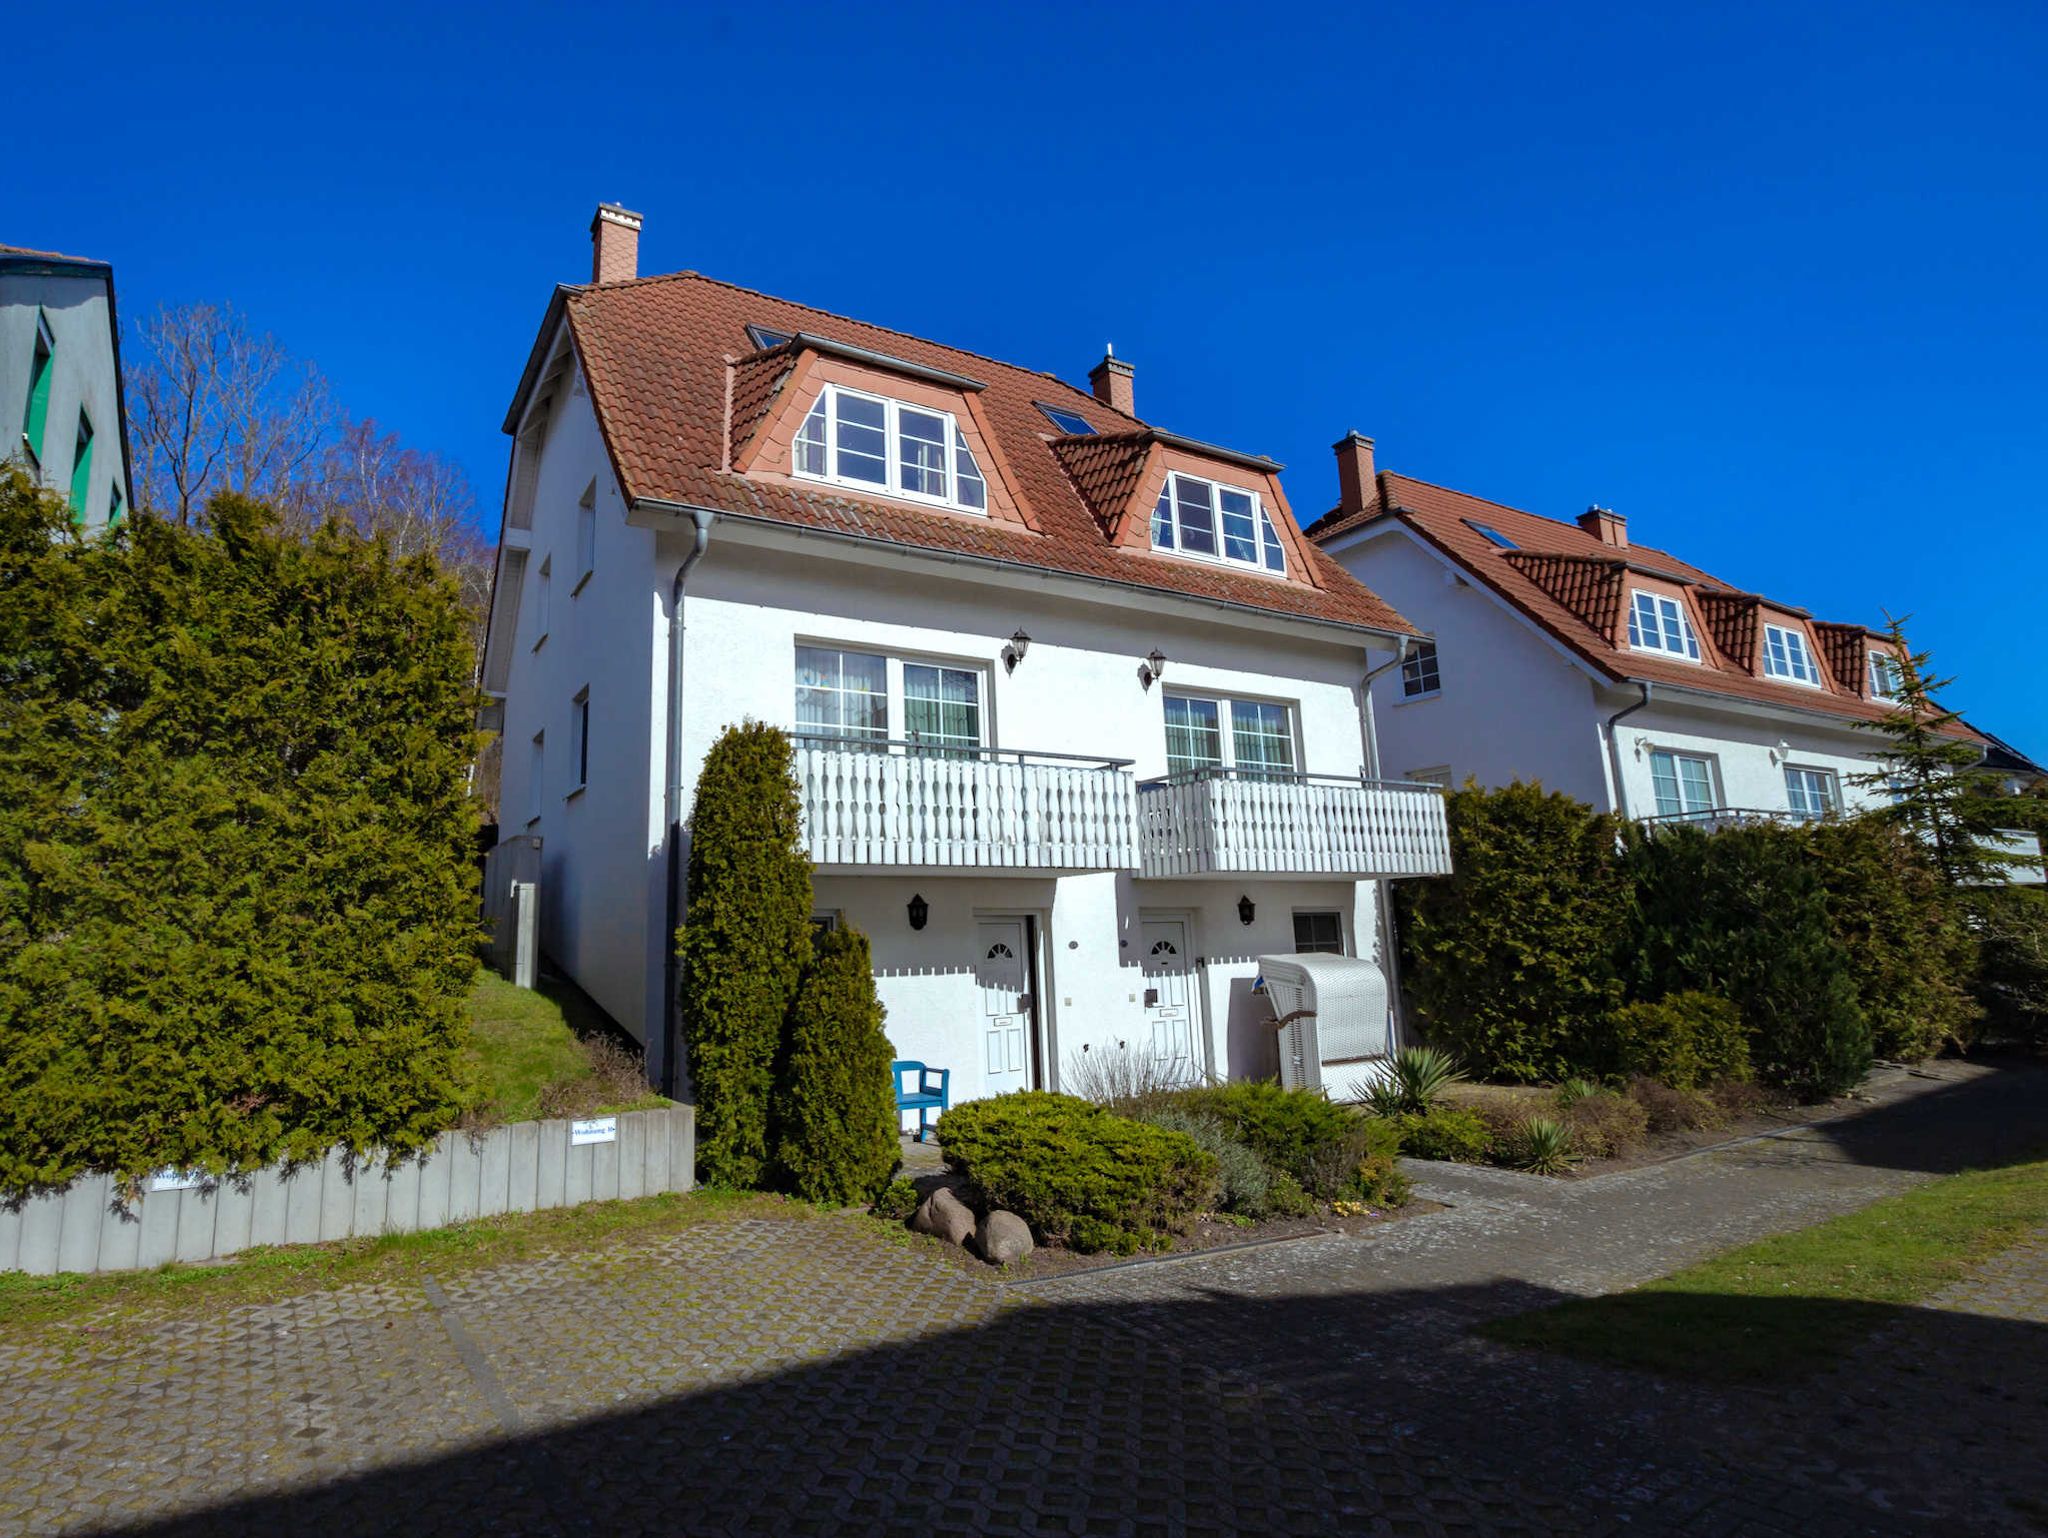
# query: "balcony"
(899, 805)
(1215, 822)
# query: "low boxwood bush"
(1079, 1175)
(1685, 1040)
(896, 1201)
(1296, 1131)
(1442, 1132)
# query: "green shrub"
(1296, 1130)
(237, 889)
(1684, 1040)
(1544, 1147)
(1286, 1199)
(1076, 1173)
(1910, 949)
(1604, 1125)
(1244, 1183)
(1743, 913)
(835, 1101)
(1572, 1091)
(1510, 961)
(1674, 1110)
(1376, 1179)
(2011, 927)
(896, 1201)
(1442, 1132)
(1415, 1080)
(745, 940)
(1501, 1115)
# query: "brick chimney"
(1111, 381)
(1357, 489)
(614, 244)
(1605, 525)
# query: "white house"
(60, 380)
(1620, 674)
(1083, 721)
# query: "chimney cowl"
(1605, 525)
(1357, 483)
(1111, 381)
(614, 244)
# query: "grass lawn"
(526, 1041)
(1783, 1307)
(54, 1309)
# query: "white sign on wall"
(177, 1180)
(598, 1129)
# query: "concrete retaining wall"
(523, 1167)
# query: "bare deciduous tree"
(215, 407)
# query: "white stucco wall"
(75, 307)
(1749, 761)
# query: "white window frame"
(892, 452)
(1831, 791)
(896, 719)
(1881, 664)
(1422, 673)
(579, 740)
(1678, 755)
(1667, 608)
(543, 598)
(586, 537)
(1793, 643)
(1265, 532)
(1226, 729)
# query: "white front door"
(1003, 980)
(1169, 995)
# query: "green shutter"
(114, 507)
(81, 467)
(38, 413)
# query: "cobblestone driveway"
(772, 1376)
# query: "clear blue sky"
(1768, 280)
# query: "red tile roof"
(655, 352)
(1571, 583)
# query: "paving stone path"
(814, 1376)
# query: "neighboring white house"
(1567, 654)
(1082, 720)
(60, 380)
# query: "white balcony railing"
(1217, 821)
(906, 804)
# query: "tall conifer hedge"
(236, 892)
(836, 1105)
(744, 944)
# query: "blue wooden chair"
(926, 1093)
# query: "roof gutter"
(672, 811)
(666, 509)
(1614, 745)
(882, 360)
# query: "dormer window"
(872, 442)
(1887, 677)
(1787, 656)
(1658, 624)
(1215, 523)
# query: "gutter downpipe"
(1614, 747)
(671, 993)
(1383, 896)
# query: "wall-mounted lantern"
(1020, 643)
(1246, 910)
(920, 910)
(1152, 669)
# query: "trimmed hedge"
(1686, 1040)
(1510, 961)
(237, 889)
(744, 942)
(1442, 1132)
(1078, 1174)
(835, 1102)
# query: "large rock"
(1003, 1238)
(944, 1216)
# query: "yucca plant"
(1416, 1080)
(1545, 1147)
(1572, 1091)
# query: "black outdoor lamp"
(1020, 643)
(1152, 669)
(920, 910)
(1245, 910)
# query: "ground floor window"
(1318, 934)
(1684, 782)
(1256, 736)
(880, 698)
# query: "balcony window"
(1658, 624)
(1216, 523)
(879, 444)
(942, 706)
(1419, 675)
(1255, 736)
(858, 694)
(1786, 656)
(1684, 783)
(842, 694)
(1887, 677)
(1812, 792)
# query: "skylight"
(762, 337)
(1493, 534)
(1066, 421)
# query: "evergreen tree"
(745, 941)
(835, 1104)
